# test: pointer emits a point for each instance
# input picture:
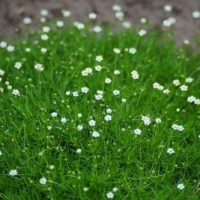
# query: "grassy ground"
(99, 116)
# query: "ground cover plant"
(98, 115)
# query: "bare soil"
(12, 13)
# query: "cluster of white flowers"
(146, 120)
(99, 95)
(135, 74)
(158, 86)
(178, 127)
(118, 12)
(16, 92)
(87, 71)
(193, 99)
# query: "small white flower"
(79, 25)
(75, 94)
(1, 153)
(158, 120)
(143, 20)
(176, 82)
(3, 44)
(43, 50)
(78, 151)
(116, 8)
(46, 29)
(84, 89)
(98, 68)
(87, 71)
(54, 114)
(142, 32)
(51, 167)
(43, 181)
(108, 118)
(92, 122)
(16, 92)
(115, 189)
(108, 110)
(180, 186)
(39, 67)
(99, 58)
(135, 74)
(63, 120)
(18, 65)
(60, 24)
(66, 13)
(95, 134)
(132, 50)
(116, 72)
(44, 12)
(110, 195)
(108, 80)
(119, 15)
(116, 92)
(92, 16)
(44, 37)
(170, 151)
(146, 120)
(10, 48)
(80, 127)
(189, 80)
(13, 172)
(126, 24)
(168, 8)
(137, 131)
(157, 86)
(97, 29)
(196, 14)
(184, 87)
(27, 20)
(117, 50)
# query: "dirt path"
(12, 13)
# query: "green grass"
(139, 166)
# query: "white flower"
(10, 48)
(13, 172)
(80, 127)
(18, 65)
(63, 120)
(137, 131)
(2, 72)
(135, 74)
(166, 91)
(189, 80)
(170, 151)
(43, 181)
(75, 94)
(46, 29)
(78, 151)
(142, 32)
(60, 24)
(92, 122)
(158, 120)
(97, 29)
(110, 195)
(95, 134)
(39, 67)
(184, 87)
(44, 37)
(79, 25)
(99, 58)
(126, 24)
(66, 13)
(98, 96)
(115, 189)
(54, 114)
(108, 80)
(117, 50)
(116, 72)
(119, 15)
(3, 44)
(92, 16)
(27, 20)
(44, 12)
(108, 118)
(51, 167)
(116, 92)
(16, 92)
(143, 20)
(196, 14)
(1, 153)
(84, 89)
(116, 7)
(43, 50)
(146, 120)
(176, 82)
(180, 186)
(98, 68)
(168, 8)
(108, 110)
(178, 127)
(132, 50)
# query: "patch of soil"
(12, 13)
